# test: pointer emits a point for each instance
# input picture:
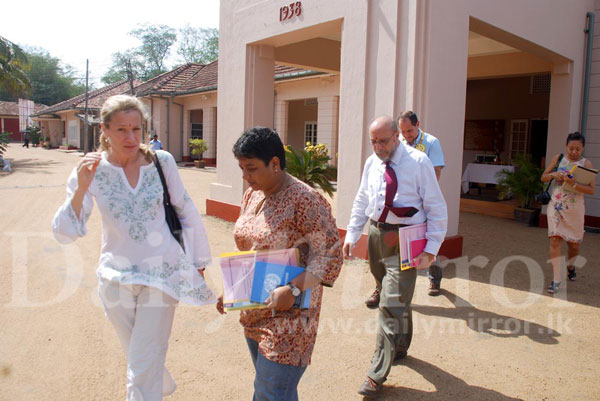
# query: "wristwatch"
(295, 290)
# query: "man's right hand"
(347, 250)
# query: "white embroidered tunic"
(137, 246)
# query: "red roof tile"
(188, 78)
(207, 77)
(96, 98)
(168, 81)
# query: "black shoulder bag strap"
(170, 213)
(555, 168)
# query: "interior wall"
(298, 114)
(502, 99)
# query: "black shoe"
(434, 289)
(369, 388)
(571, 274)
(373, 301)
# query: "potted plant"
(198, 147)
(34, 135)
(524, 182)
(46, 142)
(311, 166)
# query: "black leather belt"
(386, 226)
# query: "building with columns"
(486, 77)
(183, 104)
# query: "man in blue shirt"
(155, 144)
(413, 136)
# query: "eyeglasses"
(382, 142)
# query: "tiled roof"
(188, 78)
(95, 98)
(207, 77)
(12, 108)
(168, 81)
(204, 78)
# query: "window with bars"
(518, 137)
(310, 132)
(196, 130)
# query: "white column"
(187, 131)
(209, 131)
(281, 119)
(327, 124)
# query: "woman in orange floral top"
(280, 212)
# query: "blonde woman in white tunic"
(143, 271)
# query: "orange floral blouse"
(295, 217)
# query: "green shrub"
(312, 167)
(524, 182)
(198, 146)
(3, 143)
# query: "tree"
(156, 42)
(124, 63)
(198, 45)
(145, 61)
(51, 81)
(13, 62)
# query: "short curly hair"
(262, 143)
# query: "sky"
(74, 31)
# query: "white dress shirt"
(417, 187)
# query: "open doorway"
(506, 114)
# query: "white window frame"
(521, 136)
(310, 132)
(192, 130)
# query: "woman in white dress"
(143, 271)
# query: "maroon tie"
(391, 186)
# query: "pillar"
(327, 124)
(281, 119)
(209, 131)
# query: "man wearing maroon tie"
(398, 188)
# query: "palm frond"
(311, 168)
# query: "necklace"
(419, 146)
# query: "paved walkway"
(493, 334)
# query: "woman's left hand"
(281, 298)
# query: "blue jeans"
(274, 381)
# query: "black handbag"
(170, 213)
(544, 197)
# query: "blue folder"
(268, 276)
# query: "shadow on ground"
(505, 253)
(488, 322)
(34, 166)
(447, 386)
